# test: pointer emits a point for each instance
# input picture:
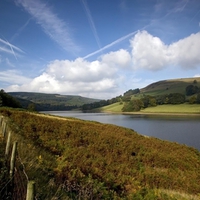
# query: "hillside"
(170, 86)
(166, 96)
(75, 159)
(44, 101)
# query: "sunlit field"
(115, 107)
(180, 108)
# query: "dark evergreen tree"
(8, 100)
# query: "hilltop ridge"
(170, 86)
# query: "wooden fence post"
(8, 145)
(12, 160)
(30, 190)
(4, 125)
(1, 119)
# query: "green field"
(173, 109)
(115, 107)
(181, 108)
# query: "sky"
(96, 48)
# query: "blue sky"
(96, 48)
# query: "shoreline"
(153, 113)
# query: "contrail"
(111, 44)
(12, 50)
(21, 29)
(12, 47)
(8, 44)
(91, 22)
(115, 42)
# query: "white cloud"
(185, 52)
(54, 27)
(99, 78)
(120, 58)
(197, 75)
(111, 74)
(151, 53)
(148, 52)
(80, 70)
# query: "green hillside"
(166, 96)
(75, 159)
(170, 86)
(44, 101)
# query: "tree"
(1, 102)
(198, 98)
(131, 92)
(192, 99)
(152, 102)
(176, 98)
(195, 81)
(133, 105)
(149, 101)
(137, 104)
(8, 100)
(191, 89)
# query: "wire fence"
(14, 179)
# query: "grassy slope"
(167, 109)
(109, 161)
(160, 88)
(169, 86)
(181, 108)
(115, 107)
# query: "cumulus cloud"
(106, 76)
(95, 78)
(120, 58)
(150, 52)
(185, 52)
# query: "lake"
(180, 129)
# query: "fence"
(16, 184)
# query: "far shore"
(153, 113)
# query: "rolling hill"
(44, 101)
(161, 88)
(169, 86)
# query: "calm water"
(184, 130)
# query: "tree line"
(192, 96)
(149, 101)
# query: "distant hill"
(172, 91)
(44, 101)
(170, 86)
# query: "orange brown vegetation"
(110, 162)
